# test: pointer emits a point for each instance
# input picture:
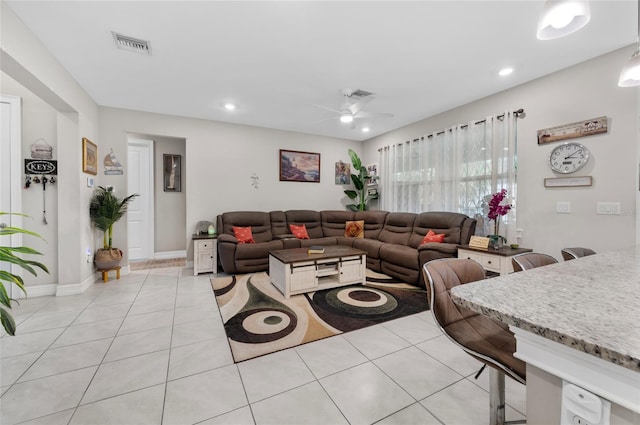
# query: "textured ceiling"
(276, 59)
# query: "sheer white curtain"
(457, 169)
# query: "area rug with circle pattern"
(259, 320)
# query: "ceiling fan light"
(630, 74)
(562, 17)
(346, 117)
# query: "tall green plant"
(105, 209)
(360, 181)
(9, 255)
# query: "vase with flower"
(495, 212)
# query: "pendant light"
(630, 74)
(562, 17)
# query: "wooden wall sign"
(573, 130)
(568, 181)
(479, 242)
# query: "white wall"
(223, 157)
(27, 61)
(220, 160)
(39, 120)
(584, 91)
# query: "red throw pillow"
(432, 236)
(354, 229)
(243, 234)
(299, 231)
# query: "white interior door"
(140, 225)
(10, 175)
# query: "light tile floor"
(150, 348)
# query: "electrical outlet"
(563, 207)
(578, 420)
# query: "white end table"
(492, 260)
(205, 254)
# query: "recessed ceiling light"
(229, 106)
(365, 129)
(505, 71)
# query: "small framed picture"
(343, 173)
(172, 172)
(89, 157)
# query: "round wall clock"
(568, 157)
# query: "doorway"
(140, 214)
(10, 175)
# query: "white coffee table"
(295, 271)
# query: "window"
(454, 170)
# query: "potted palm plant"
(360, 181)
(11, 255)
(105, 209)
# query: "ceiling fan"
(352, 107)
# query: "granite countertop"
(591, 304)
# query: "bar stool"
(530, 260)
(574, 253)
(489, 341)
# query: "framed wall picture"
(89, 157)
(298, 166)
(343, 173)
(172, 172)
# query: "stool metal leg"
(496, 397)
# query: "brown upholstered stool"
(574, 253)
(488, 340)
(530, 260)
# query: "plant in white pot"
(105, 210)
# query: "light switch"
(608, 208)
(563, 207)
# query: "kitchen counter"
(591, 304)
(576, 322)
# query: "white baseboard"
(169, 254)
(75, 288)
(35, 291)
(59, 289)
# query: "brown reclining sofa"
(392, 240)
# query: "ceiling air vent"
(360, 93)
(131, 44)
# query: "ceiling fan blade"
(356, 107)
(327, 108)
(326, 119)
(367, 114)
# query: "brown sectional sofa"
(391, 239)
